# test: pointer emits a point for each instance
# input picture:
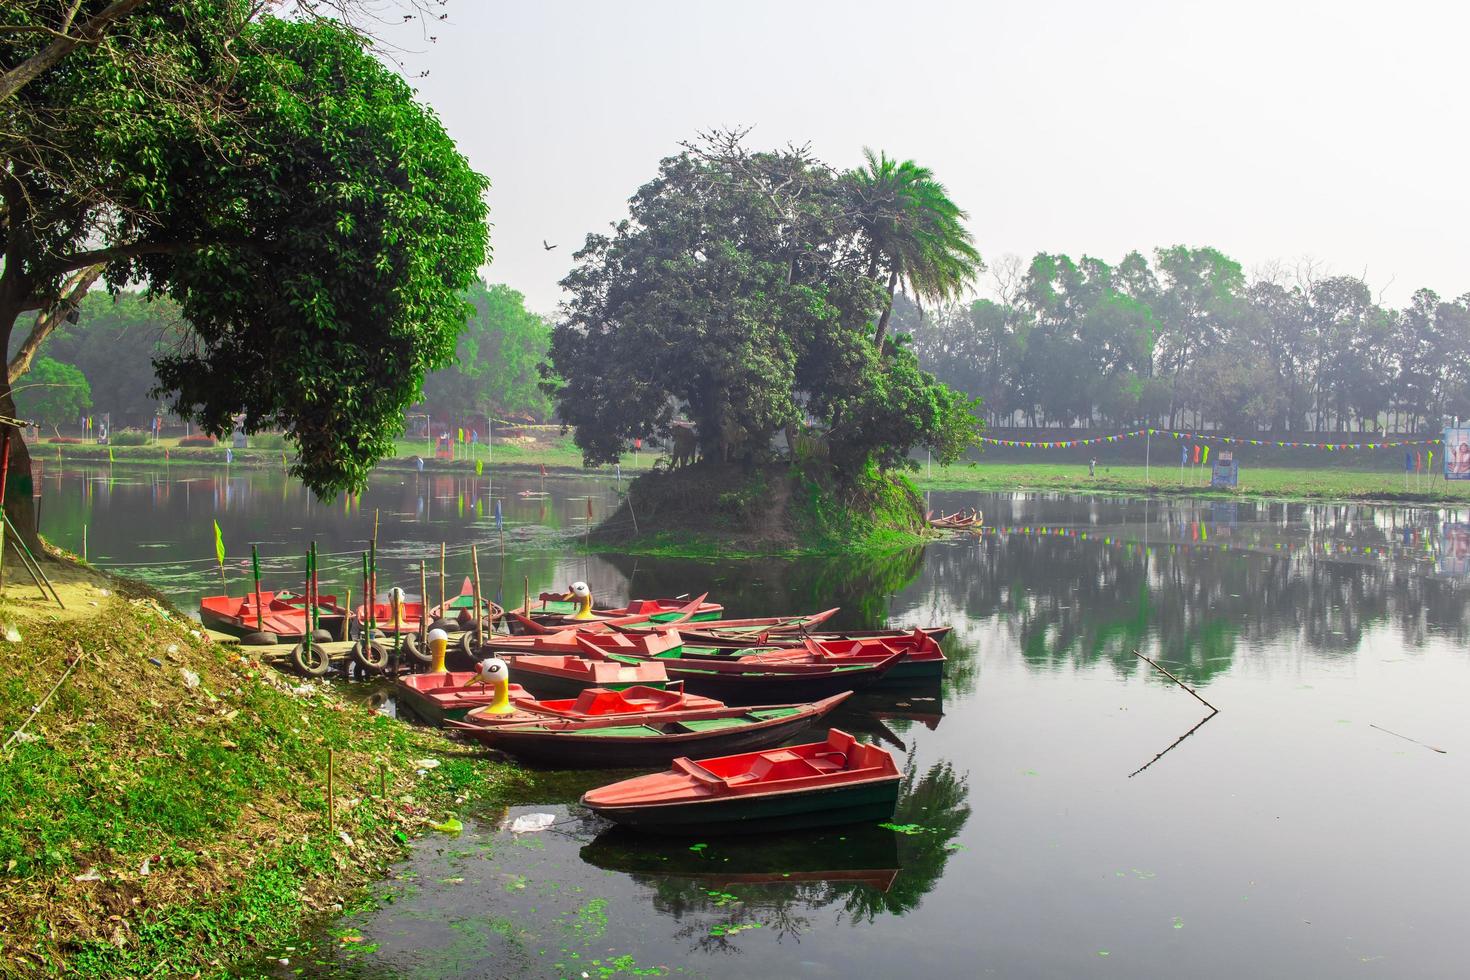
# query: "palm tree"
(914, 231)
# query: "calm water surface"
(1041, 832)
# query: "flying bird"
(546, 246)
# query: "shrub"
(130, 437)
(268, 440)
(189, 442)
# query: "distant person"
(1092, 467)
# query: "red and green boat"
(582, 642)
(280, 613)
(920, 658)
(563, 676)
(554, 609)
(460, 609)
(593, 743)
(738, 682)
(710, 635)
(836, 781)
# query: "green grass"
(220, 786)
(1279, 482)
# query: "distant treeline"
(1190, 341)
(104, 361)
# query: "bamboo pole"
(255, 571)
(1165, 672)
(443, 548)
(479, 617)
(424, 607)
(526, 583)
(307, 639)
(4, 483)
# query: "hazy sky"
(1272, 131)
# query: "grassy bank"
(1282, 482)
(165, 811)
(710, 511)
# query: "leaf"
(451, 825)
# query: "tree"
(54, 392)
(736, 291)
(915, 234)
(313, 222)
(496, 367)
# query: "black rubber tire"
(412, 648)
(322, 636)
(373, 657)
(467, 644)
(263, 639)
(318, 666)
(447, 625)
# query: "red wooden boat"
(562, 607)
(559, 675)
(755, 628)
(835, 781)
(635, 702)
(920, 656)
(652, 739)
(281, 613)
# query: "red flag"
(637, 443)
(1196, 452)
(543, 469)
(589, 508)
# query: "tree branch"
(18, 77)
(50, 318)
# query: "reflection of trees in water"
(699, 885)
(1066, 599)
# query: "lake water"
(1041, 832)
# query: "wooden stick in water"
(479, 632)
(442, 549)
(1406, 738)
(1190, 690)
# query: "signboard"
(1457, 454)
(1226, 472)
(1454, 550)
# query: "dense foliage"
(496, 367)
(53, 392)
(1190, 340)
(313, 222)
(743, 291)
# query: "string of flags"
(1203, 437)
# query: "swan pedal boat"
(835, 781)
(653, 739)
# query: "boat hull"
(864, 802)
(565, 750)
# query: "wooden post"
(526, 582)
(443, 548)
(4, 482)
(310, 605)
(424, 607)
(475, 560)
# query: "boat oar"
(1406, 738)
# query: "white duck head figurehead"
(438, 646)
(582, 596)
(494, 673)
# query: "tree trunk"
(887, 312)
(19, 504)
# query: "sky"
(1276, 132)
